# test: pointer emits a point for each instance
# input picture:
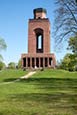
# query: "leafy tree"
(2, 65)
(65, 23)
(72, 44)
(65, 62)
(2, 46)
(69, 62)
(11, 65)
(1, 58)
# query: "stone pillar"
(39, 62)
(26, 62)
(30, 62)
(43, 62)
(34, 62)
(48, 61)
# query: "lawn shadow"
(52, 84)
(50, 81)
(47, 83)
(10, 79)
(55, 100)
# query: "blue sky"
(14, 15)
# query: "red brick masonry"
(38, 57)
(38, 60)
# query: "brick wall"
(43, 24)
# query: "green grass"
(10, 75)
(48, 92)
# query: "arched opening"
(39, 43)
(39, 40)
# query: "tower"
(39, 29)
(38, 42)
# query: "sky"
(14, 15)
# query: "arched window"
(39, 40)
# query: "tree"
(65, 23)
(2, 46)
(11, 65)
(2, 65)
(19, 64)
(65, 62)
(72, 44)
(69, 62)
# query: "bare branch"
(65, 23)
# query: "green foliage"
(72, 44)
(69, 62)
(20, 64)
(65, 62)
(11, 65)
(2, 65)
(3, 46)
(1, 58)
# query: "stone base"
(38, 61)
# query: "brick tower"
(39, 55)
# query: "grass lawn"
(48, 92)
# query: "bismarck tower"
(39, 55)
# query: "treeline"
(69, 62)
(11, 65)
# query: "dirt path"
(23, 77)
(28, 75)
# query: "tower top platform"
(39, 10)
(39, 13)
